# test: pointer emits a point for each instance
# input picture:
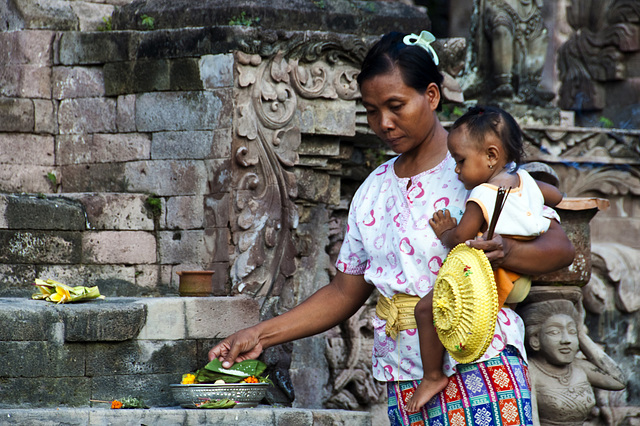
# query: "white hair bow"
(423, 40)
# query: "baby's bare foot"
(426, 390)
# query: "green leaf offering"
(217, 403)
(238, 372)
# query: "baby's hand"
(442, 222)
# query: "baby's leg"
(431, 351)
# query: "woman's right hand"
(241, 345)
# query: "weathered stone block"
(46, 416)
(217, 208)
(26, 47)
(40, 247)
(25, 178)
(222, 141)
(118, 78)
(165, 417)
(327, 117)
(17, 281)
(156, 388)
(52, 14)
(320, 146)
(87, 115)
(155, 280)
(28, 320)
(46, 116)
(217, 71)
(82, 48)
(126, 247)
(110, 320)
(25, 81)
(218, 243)
(185, 212)
(164, 177)
(183, 110)
(29, 393)
(16, 115)
(102, 148)
(219, 176)
(141, 357)
(90, 14)
(77, 82)
(150, 75)
(181, 145)
(165, 319)
(126, 113)
(116, 211)
(24, 148)
(112, 280)
(30, 212)
(183, 246)
(185, 74)
(219, 317)
(94, 178)
(318, 187)
(41, 359)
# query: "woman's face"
(559, 339)
(398, 114)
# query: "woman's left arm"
(547, 253)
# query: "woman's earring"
(491, 166)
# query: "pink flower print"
(391, 258)
(382, 344)
(382, 169)
(342, 267)
(388, 373)
(406, 247)
(391, 202)
(423, 284)
(407, 365)
(378, 243)
(399, 280)
(379, 271)
(440, 204)
(503, 317)
(415, 192)
(371, 220)
(385, 185)
(422, 223)
(411, 332)
(434, 264)
(497, 343)
(354, 260)
(396, 219)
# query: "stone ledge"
(261, 415)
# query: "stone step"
(174, 416)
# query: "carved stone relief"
(606, 34)
(266, 137)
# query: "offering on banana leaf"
(57, 292)
(217, 403)
(247, 371)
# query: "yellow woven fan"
(465, 304)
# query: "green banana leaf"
(239, 371)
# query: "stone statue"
(509, 53)
(561, 382)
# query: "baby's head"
(483, 123)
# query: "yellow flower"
(188, 379)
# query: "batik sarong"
(495, 392)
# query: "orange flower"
(251, 379)
(116, 404)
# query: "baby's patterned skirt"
(495, 392)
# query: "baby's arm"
(451, 235)
(552, 195)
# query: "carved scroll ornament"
(266, 138)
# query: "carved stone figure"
(561, 382)
(509, 53)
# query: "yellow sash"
(398, 311)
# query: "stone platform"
(261, 415)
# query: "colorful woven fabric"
(490, 393)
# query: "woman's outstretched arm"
(326, 308)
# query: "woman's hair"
(414, 63)
(535, 314)
(479, 121)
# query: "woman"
(389, 244)
(563, 383)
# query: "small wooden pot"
(195, 283)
